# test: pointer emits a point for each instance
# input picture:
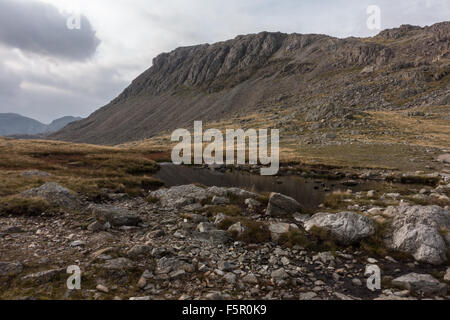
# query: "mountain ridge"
(318, 76)
(16, 124)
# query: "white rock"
(346, 227)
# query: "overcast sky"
(48, 70)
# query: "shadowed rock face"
(318, 75)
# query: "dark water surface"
(310, 193)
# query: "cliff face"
(318, 76)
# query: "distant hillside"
(14, 124)
(60, 123)
(317, 78)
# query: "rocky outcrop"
(56, 195)
(282, 206)
(346, 227)
(421, 232)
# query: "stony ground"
(193, 242)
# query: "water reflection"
(308, 192)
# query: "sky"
(71, 57)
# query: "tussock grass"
(86, 169)
(317, 239)
(18, 206)
(336, 200)
(255, 231)
(228, 210)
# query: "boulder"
(237, 229)
(206, 227)
(43, 276)
(115, 216)
(252, 203)
(10, 268)
(417, 230)
(277, 229)
(282, 206)
(213, 236)
(422, 284)
(138, 251)
(216, 201)
(181, 196)
(279, 274)
(445, 158)
(220, 217)
(55, 194)
(447, 275)
(346, 227)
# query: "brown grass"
(85, 169)
(18, 206)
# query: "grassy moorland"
(404, 140)
(85, 169)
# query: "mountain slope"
(11, 123)
(60, 123)
(317, 76)
(15, 124)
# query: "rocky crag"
(317, 77)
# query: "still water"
(310, 193)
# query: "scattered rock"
(10, 268)
(279, 274)
(43, 276)
(206, 227)
(102, 288)
(138, 251)
(230, 278)
(237, 229)
(422, 284)
(118, 264)
(308, 295)
(115, 216)
(250, 278)
(252, 203)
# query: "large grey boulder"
(55, 194)
(346, 227)
(115, 216)
(417, 230)
(282, 206)
(181, 196)
(423, 284)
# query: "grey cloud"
(40, 28)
